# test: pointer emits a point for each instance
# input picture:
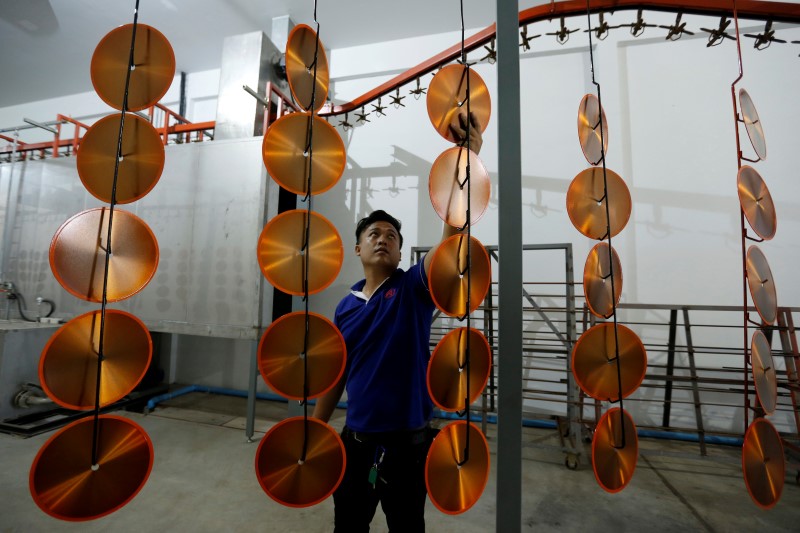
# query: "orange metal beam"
(747, 9)
(11, 140)
(58, 143)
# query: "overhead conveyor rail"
(747, 9)
(177, 129)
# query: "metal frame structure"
(697, 377)
(173, 126)
(509, 20)
(182, 129)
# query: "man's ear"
(357, 250)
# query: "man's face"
(379, 245)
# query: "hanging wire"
(307, 237)
(746, 318)
(608, 235)
(468, 226)
(104, 301)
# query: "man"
(386, 324)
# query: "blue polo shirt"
(387, 338)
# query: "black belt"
(414, 436)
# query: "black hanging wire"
(104, 301)
(608, 236)
(736, 121)
(305, 250)
(468, 226)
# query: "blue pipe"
(492, 419)
(690, 437)
(221, 390)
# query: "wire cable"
(108, 250)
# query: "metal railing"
(174, 129)
(695, 380)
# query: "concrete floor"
(203, 480)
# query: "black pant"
(399, 486)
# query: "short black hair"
(378, 216)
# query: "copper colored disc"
(453, 489)
(68, 366)
(447, 98)
(752, 124)
(447, 372)
(152, 73)
(282, 254)
(288, 479)
(141, 164)
(449, 190)
(586, 204)
(286, 158)
(450, 283)
(614, 452)
(594, 362)
(300, 47)
(64, 483)
(762, 286)
(764, 372)
(756, 202)
(78, 254)
(597, 278)
(763, 463)
(281, 361)
(591, 123)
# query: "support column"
(249, 59)
(509, 411)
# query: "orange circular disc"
(598, 274)
(68, 366)
(152, 73)
(142, 158)
(281, 359)
(287, 160)
(453, 487)
(586, 203)
(752, 124)
(762, 286)
(764, 372)
(450, 284)
(614, 451)
(756, 202)
(447, 98)
(447, 373)
(282, 254)
(449, 190)
(78, 254)
(763, 463)
(300, 48)
(285, 476)
(592, 125)
(594, 362)
(65, 484)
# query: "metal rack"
(687, 368)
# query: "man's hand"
(460, 131)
